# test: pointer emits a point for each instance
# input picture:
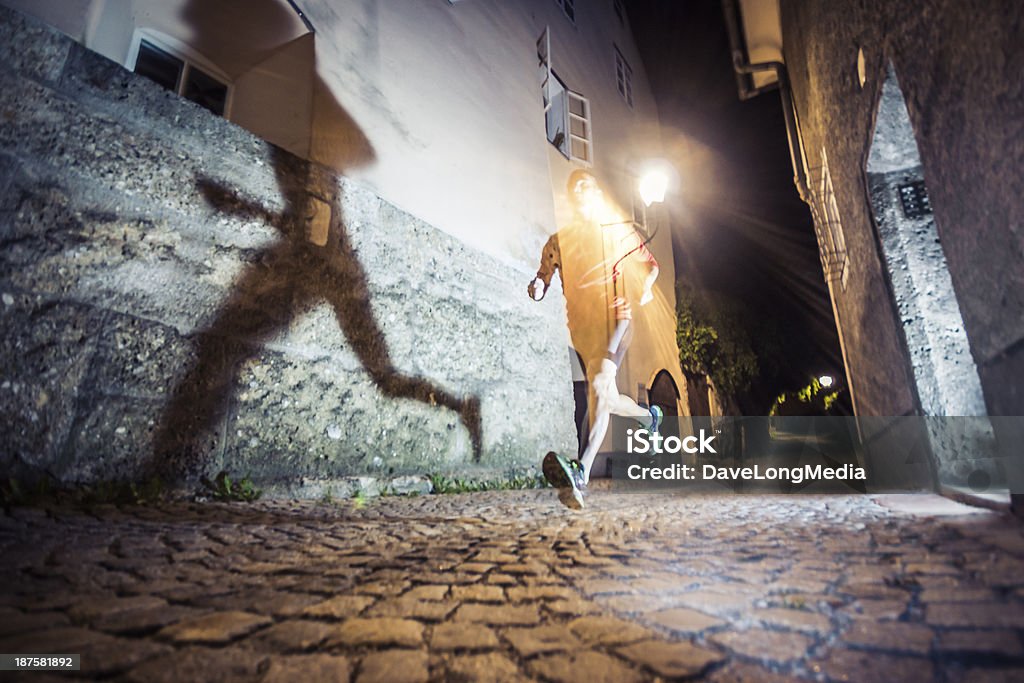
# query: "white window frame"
(544, 64)
(190, 57)
(639, 209)
(623, 77)
(583, 120)
(568, 8)
(587, 139)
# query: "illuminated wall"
(433, 107)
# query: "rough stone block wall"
(959, 66)
(166, 307)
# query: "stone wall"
(181, 297)
(958, 65)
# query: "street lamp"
(653, 186)
(825, 381)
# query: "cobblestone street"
(511, 586)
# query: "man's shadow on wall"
(281, 281)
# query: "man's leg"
(609, 400)
(606, 391)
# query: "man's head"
(584, 192)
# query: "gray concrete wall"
(959, 66)
(166, 306)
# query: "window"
(620, 12)
(566, 113)
(623, 77)
(579, 126)
(831, 240)
(569, 7)
(181, 75)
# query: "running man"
(581, 255)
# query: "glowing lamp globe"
(652, 187)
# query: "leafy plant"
(441, 484)
(222, 488)
(813, 398)
(329, 499)
(713, 340)
(148, 491)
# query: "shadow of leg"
(342, 283)
(264, 300)
(190, 430)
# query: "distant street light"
(825, 381)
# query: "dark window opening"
(181, 77)
(158, 66)
(569, 8)
(914, 198)
(206, 91)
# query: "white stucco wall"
(434, 106)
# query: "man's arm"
(550, 261)
(652, 263)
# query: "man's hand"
(652, 277)
(537, 288)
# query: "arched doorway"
(664, 393)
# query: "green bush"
(222, 488)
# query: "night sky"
(740, 228)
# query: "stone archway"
(664, 392)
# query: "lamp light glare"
(825, 381)
(652, 187)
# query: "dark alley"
(570, 341)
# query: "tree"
(813, 399)
(713, 341)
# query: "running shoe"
(657, 417)
(566, 476)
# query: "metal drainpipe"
(744, 68)
(302, 16)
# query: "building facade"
(907, 148)
(424, 147)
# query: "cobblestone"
(531, 641)
(770, 646)
(404, 632)
(219, 627)
(510, 586)
(488, 668)
(394, 666)
(290, 669)
(671, 659)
